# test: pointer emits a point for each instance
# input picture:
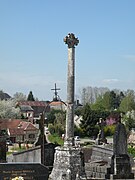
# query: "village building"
(4, 96)
(31, 110)
(58, 105)
(19, 130)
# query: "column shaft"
(70, 94)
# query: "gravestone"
(28, 171)
(34, 155)
(41, 136)
(101, 135)
(3, 148)
(120, 162)
(43, 151)
(41, 139)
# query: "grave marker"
(120, 163)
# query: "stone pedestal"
(68, 164)
(120, 168)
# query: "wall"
(30, 155)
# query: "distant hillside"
(4, 96)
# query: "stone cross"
(68, 159)
(41, 139)
(71, 41)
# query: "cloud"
(24, 80)
(40, 84)
(110, 81)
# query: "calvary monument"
(68, 160)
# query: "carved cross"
(71, 41)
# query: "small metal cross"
(55, 93)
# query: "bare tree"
(90, 94)
(18, 96)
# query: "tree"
(78, 111)
(109, 101)
(129, 119)
(18, 96)
(51, 116)
(30, 97)
(90, 120)
(8, 110)
(57, 120)
(90, 94)
(127, 103)
(98, 105)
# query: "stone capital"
(71, 40)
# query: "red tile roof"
(33, 103)
(17, 131)
(9, 123)
(27, 126)
(56, 103)
(16, 126)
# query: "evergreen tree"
(30, 97)
(90, 119)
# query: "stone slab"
(28, 171)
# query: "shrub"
(51, 128)
(131, 150)
(109, 130)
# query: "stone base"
(120, 168)
(68, 164)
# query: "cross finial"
(71, 41)
(56, 97)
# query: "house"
(27, 112)
(19, 130)
(32, 109)
(4, 96)
(58, 105)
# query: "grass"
(54, 138)
(15, 149)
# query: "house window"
(29, 114)
(31, 136)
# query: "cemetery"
(72, 161)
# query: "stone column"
(68, 160)
(71, 41)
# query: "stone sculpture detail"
(71, 41)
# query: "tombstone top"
(120, 140)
